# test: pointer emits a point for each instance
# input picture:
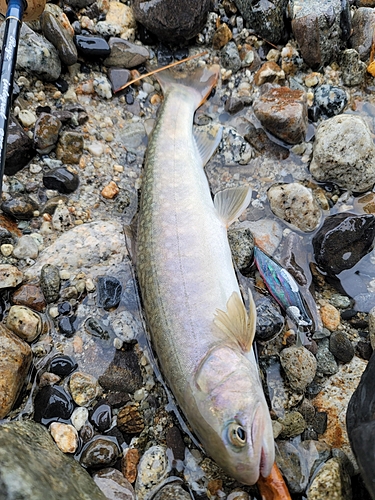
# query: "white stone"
(65, 436)
(10, 276)
(79, 417)
(27, 118)
(6, 249)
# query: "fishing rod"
(14, 11)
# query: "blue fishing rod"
(15, 11)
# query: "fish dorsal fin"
(236, 323)
(231, 202)
(207, 139)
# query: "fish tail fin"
(202, 80)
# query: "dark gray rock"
(52, 404)
(46, 133)
(92, 47)
(118, 78)
(123, 374)
(343, 240)
(60, 38)
(20, 148)
(20, 206)
(353, 70)
(172, 21)
(109, 291)
(261, 142)
(230, 58)
(241, 243)
(61, 179)
(270, 321)
(33, 467)
(326, 363)
(125, 54)
(266, 18)
(341, 347)
(50, 282)
(100, 452)
(363, 29)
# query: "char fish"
(199, 326)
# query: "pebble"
(353, 70)
(84, 388)
(123, 374)
(118, 78)
(46, 133)
(60, 36)
(27, 118)
(20, 148)
(62, 179)
(270, 321)
(221, 37)
(152, 470)
(114, 485)
(344, 153)
(269, 72)
(330, 317)
(100, 452)
(24, 322)
(110, 191)
(101, 416)
(15, 360)
(79, 417)
(241, 243)
(293, 424)
(70, 147)
(52, 403)
(65, 436)
(125, 54)
(330, 100)
(6, 249)
(267, 233)
(230, 58)
(266, 22)
(293, 464)
(26, 248)
(10, 276)
(326, 363)
(363, 28)
(261, 142)
(27, 447)
(67, 325)
(20, 206)
(50, 282)
(174, 492)
(109, 290)
(331, 481)
(102, 87)
(119, 21)
(92, 47)
(299, 365)
(341, 347)
(130, 420)
(126, 326)
(62, 365)
(296, 205)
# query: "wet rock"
(50, 282)
(113, 484)
(37, 55)
(62, 219)
(26, 248)
(233, 105)
(221, 37)
(319, 28)
(43, 471)
(283, 112)
(330, 317)
(24, 322)
(269, 72)
(118, 78)
(60, 37)
(293, 465)
(326, 363)
(334, 398)
(62, 365)
(10, 276)
(67, 326)
(102, 87)
(241, 242)
(343, 240)
(20, 148)
(30, 296)
(267, 233)
(363, 28)
(109, 291)
(20, 206)
(176, 492)
(296, 205)
(266, 18)
(236, 148)
(341, 347)
(65, 436)
(331, 481)
(330, 100)
(133, 135)
(293, 424)
(152, 469)
(92, 47)
(125, 54)
(61, 179)
(172, 21)
(100, 452)
(364, 350)
(70, 147)
(344, 153)
(130, 420)
(46, 133)
(230, 58)
(15, 359)
(299, 365)
(353, 69)
(79, 417)
(52, 403)
(260, 141)
(84, 388)
(101, 416)
(270, 321)
(123, 374)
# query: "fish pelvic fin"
(231, 202)
(236, 323)
(202, 80)
(207, 140)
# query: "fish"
(200, 330)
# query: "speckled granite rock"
(332, 481)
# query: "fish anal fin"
(235, 323)
(207, 139)
(231, 202)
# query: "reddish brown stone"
(30, 296)
(129, 464)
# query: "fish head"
(235, 425)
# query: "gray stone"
(176, 492)
(341, 347)
(266, 17)
(363, 29)
(27, 247)
(296, 205)
(344, 153)
(331, 481)
(152, 469)
(125, 54)
(132, 136)
(299, 365)
(114, 485)
(230, 58)
(33, 467)
(60, 37)
(293, 424)
(46, 132)
(293, 466)
(70, 147)
(353, 70)
(241, 242)
(327, 364)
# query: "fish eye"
(236, 434)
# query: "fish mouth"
(263, 441)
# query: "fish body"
(199, 327)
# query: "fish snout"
(263, 442)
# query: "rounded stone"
(152, 470)
(20, 206)
(60, 37)
(79, 417)
(52, 403)
(109, 291)
(241, 243)
(31, 296)
(92, 47)
(65, 436)
(293, 424)
(113, 484)
(46, 132)
(100, 452)
(70, 147)
(61, 179)
(341, 347)
(62, 365)
(10, 276)
(84, 388)
(24, 322)
(299, 365)
(330, 100)
(50, 282)
(26, 248)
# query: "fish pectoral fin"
(207, 139)
(231, 202)
(236, 323)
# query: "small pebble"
(62, 365)
(299, 365)
(24, 322)
(50, 282)
(10, 276)
(52, 403)
(61, 179)
(152, 470)
(84, 388)
(101, 416)
(293, 424)
(6, 249)
(110, 191)
(26, 248)
(79, 417)
(341, 347)
(129, 464)
(100, 452)
(330, 317)
(114, 485)
(109, 291)
(65, 436)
